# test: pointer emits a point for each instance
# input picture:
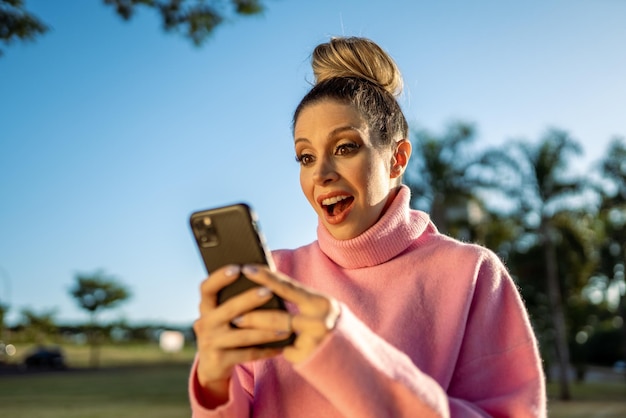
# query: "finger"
(265, 319)
(235, 339)
(237, 305)
(309, 302)
(313, 327)
(220, 278)
(242, 355)
(279, 283)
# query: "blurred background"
(116, 122)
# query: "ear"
(400, 158)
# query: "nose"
(325, 172)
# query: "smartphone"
(231, 235)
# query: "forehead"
(323, 117)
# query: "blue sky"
(112, 133)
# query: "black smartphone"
(231, 235)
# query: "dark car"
(50, 358)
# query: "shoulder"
(454, 256)
(448, 247)
(430, 238)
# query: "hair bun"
(356, 57)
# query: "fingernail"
(238, 320)
(232, 271)
(263, 292)
(250, 269)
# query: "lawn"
(132, 381)
(147, 391)
(141, 381)
(592, 399)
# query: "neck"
(397, 228)
(390, 198)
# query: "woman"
(392, 318)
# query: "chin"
(344, 233)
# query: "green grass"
(132, 381)
(147, 391)
(590, 399)
(142, 381)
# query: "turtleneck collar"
(398, 228)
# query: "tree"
(438, 175)
(446, 179)
(576, 258)
(612, 227)
(94, 293)
(39, 325)
(17, 23)
(545, 192)
(4, 306)
(3, 311)
(196, 19)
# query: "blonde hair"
(356, 57)
(358, 72)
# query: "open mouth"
(335, 206)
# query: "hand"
(316, 315)
(220, 345)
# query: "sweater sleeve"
(497, 372)
(239, 398)
(364, 376)
(499, 368)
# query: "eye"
(346, 148)
(305, 159)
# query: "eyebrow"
(331, 134)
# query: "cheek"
(303, 178)
(377, 183)
(305, 185)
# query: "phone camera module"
(205, 232)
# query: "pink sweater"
(429, 327)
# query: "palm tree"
(546, 194)
(612, 224)
(446, 179)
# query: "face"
(344, 173)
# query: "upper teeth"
(333, 200)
